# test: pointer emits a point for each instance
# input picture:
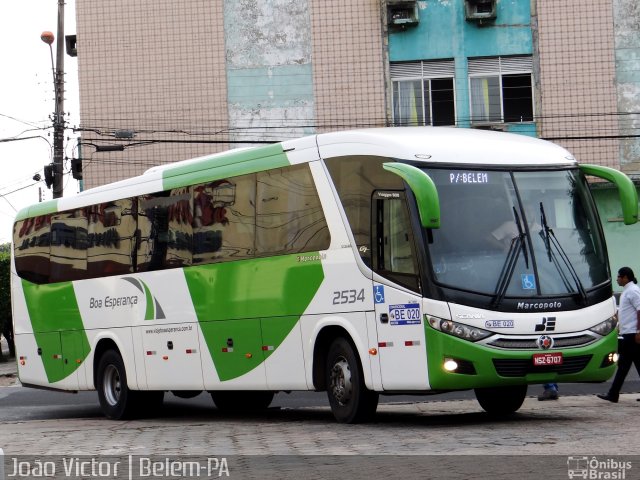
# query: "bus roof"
(446, 145)
(429, 144)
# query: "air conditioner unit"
(402, 13)
(480, 10)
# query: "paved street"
(565, 427)
(575, 425)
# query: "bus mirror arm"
(423, 189)
(626, 189)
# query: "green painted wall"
(623, 241)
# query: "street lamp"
(58, 87)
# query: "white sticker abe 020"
(404, 314)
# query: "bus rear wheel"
(242, 401)
(501, 401)
(351, 401)
(116, 400)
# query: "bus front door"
(401, 339)
(398, 306)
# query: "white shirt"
(629, 306)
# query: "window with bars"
(423, 93)
(500, 89)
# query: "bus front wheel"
(351, 401)
(501, 401)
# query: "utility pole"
(58, 114)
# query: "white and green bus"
(383, 261)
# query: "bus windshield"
(516, 233)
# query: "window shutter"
(422, 69)
(500, 65)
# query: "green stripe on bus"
(149, 314)
(54, 314)
(246, 305)
(230, 165)
(43, 208)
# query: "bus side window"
(153, 223)
(395, 255)
(289, 216)
(68, 246)
(111, 237)
(31, 248)
(224, 220)
(180, 228)
(355, 179)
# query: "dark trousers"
(629, 353)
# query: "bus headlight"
(604, 328)
(459, 330)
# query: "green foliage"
(5, 290)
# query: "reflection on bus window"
(355, 179)
(180, 228)
(68, 246)
(192, 225)
(31, 248)
(111, 238)
(224, 220)
(164, 230)
(289, 217)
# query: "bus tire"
(242, 401)
(116, 400)
(351, 401)
(501, 401)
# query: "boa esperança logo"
(153, 310)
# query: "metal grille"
(530, 343)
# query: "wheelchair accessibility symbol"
(378, 294)
(528, 281)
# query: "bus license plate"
(545, 359)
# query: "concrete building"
(589, 57)
(172, 81)
(474, 60)
(166, 82)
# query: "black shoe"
(548, 395)
(609, 397)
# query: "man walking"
(629, 324)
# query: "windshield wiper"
(521, 235)
(517, 245)
(550, 240)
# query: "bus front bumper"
(480, 366)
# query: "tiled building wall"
(153, 66)
(270, 84)
(627, 50)
(348, 64)
(577, 76)
(222, 71)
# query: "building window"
(423, 93)
(501, 89)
